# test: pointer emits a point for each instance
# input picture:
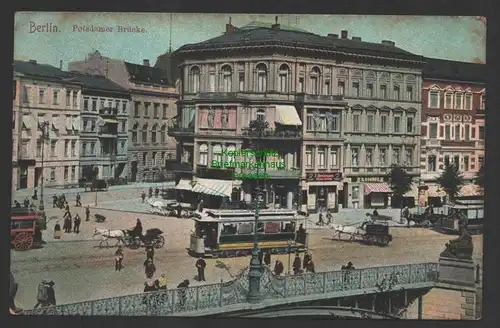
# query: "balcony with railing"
(303, 98)
(272, 134)
(108, 131)
(458, 143)
(323, 135)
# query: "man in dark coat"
(182, 292)
(310, 267)
(119, 259)
(320, 221)
(150, 192)
(307, 259)
(149, 268)
(296, 264)
(157, 192)
(150, 253)
(67, 224)
(35, 195)
(375, 212)
(200, 265)
(78, 200)
(54, 201)
(77, 222)
(267, 258)
(143, 196)
(137, 231)
(278, 268)
(87, 213)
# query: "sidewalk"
(48, 192)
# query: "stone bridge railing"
(206, 297)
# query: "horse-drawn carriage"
(153, 237)
(427, 219)
(25, 229)
(369, 232)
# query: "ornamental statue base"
(457, 271)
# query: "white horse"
(108, 233)
(351, 230)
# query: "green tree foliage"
(399, 181)
(480, 178)
(451, 180)
(258, 126)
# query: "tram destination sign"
(336, 176)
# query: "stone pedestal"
(457, 271)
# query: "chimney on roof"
(275, 25)
(334, 36)
(230, 27)
(356, 38)
(32, 61)
(60, 65)
(389, 43)
(343, 34)
(145, 62)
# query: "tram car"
(470, 211)
(230, 233)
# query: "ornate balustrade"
(176, 301)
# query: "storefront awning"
(214, 187)
(380, 187)
(184, 184)
(287, 115)
(108, 120)
(435, 191)
(469, 190)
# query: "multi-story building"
(104, 127)
(48, 109)
(153, 107)
(453, 105)
(15, 133)
(333, 105)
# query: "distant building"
(340, 112)
(47, 99)
(151, 113)
(453, 107)
(104, 127)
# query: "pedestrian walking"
(17, 204)
(150, 253)
(200, 265)
(267, 258)
(78, 200)
(57, 231)
(67, 224)
(278, 268)
(320, 221)
(87, 213)
(310, 267)
(46, 295)
(143, 196)
(26, 202)
(157, 192)
(149, 268)
(35, 195)
(54, 201)
(119, 259)
(149, 286)
(296, 264)
(76, 223)
(163, 282)
(150, 192)
(307, 259)
(182, 292)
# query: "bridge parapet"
(278, 288)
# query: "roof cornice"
(448, 80)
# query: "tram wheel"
(23, 242)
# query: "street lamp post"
(289, 256)
(255, 271)
(43, 137)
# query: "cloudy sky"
(453, 38)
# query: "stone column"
(289, 200)
(389, 155)
(328, 159)
(315, 157)
(362, 156)
(210, 155)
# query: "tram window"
(289, 227)
(229, 229)
(22, 224)
(260, 227)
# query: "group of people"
(321, 219)
(150, 193)
(70, 223)
(306, 265)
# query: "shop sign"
(371, 179)
(328, 177)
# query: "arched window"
(261, 78)
(194, 79)
(283, 77)
(261, 115)
(227, 77)
(153, 133)
(163, 136)
(203, 150)
(314, 79)
(134, 132)
(145, 133)
(231, 158)
(217, 153)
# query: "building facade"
(329, 112)
(47, 108)
(15, 132)
(453, 106)
(151, 112)
(104, 128)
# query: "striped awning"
(469, 190)
(435, 191)
(214, 187)
(380, 187)
(184, 184)
(287, 115)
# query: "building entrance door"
(23, 177)
(133, 172)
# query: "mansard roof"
(148, 75)
(454, 70)
(264, 36)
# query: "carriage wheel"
(23, 241)
(104, 243)
(160, 242)
(133, 244)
